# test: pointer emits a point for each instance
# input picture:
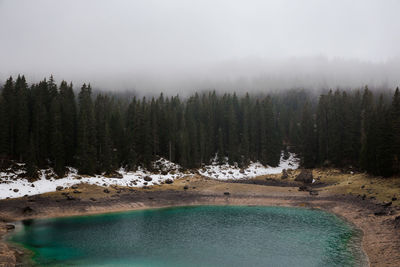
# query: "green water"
(194, 236)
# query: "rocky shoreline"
(380, 223)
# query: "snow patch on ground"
(13, 187)
(233, 172)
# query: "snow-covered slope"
(232, 172)
(11, 186)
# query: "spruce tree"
(131, 132)
(56, 138)
(86, 136)
(395, 130)
(367, 130)
(384, 151)
(31, 169)
(308, 137)
(244, 133)
(4, 126)
(21, 118)
(103, 136)
(41, 122)
(9, 96)
(68, 119)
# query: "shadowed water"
(195, 236)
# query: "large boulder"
(10, 227)
(147, 178)
(305, 176)
(114, 174)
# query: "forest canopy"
(49, 125)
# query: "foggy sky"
(180, 45)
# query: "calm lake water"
(195, 236)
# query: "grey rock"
(10, 227)
(305, 176)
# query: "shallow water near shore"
(195, 236)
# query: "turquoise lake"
(195, 236)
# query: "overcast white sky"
(184, 45)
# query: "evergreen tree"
(8, 94)
(308, 137)
(4, 126)
(31, 169)
(395, 130)
(244, 149)
(383, 134)
(367, 130)
(103, 136)
(56, 138)
(68, 121)
(21, 118)
(40, 122)
(131, 160)
(86, 137)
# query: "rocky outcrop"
(305, 176)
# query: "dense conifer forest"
(50, 125)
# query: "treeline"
(353, 129)
(46, 125)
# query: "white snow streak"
(229, 172)
(13, 187)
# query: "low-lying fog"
(179, 46)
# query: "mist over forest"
(248, 75)
(176, 47)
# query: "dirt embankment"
(342, 194)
